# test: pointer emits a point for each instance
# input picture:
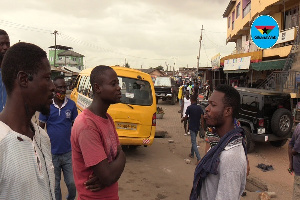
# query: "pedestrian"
(221, 173)
(189, 87)
(196, 89)
(207, 90)
(185, 103)
(180, 95)
(294, 158)
(195, 114)
(96, 149)
(4, 45)
(26, 169)
(59, 122)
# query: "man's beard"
(218, 120)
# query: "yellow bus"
(135, 116)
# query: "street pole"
(198, 57)
(55, 33)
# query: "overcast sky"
(145, 33)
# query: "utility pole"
(198, 57)
(55, 33)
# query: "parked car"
(265, 116)
(166, 89)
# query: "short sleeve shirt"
(93, 139)
(59, 123)
(194, 112)
(295, 144)
(26, 169)
(230, 181)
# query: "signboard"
(83, 101)
(286, 36)
(215, 62)
(237, 64)
(264, 31)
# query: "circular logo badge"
(264, 31)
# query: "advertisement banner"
(237, 64)
(215, 62)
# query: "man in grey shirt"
(221, 174)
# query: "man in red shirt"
(96, 149)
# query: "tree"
(160, 68)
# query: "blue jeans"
(194, 148)
(63, 162)
(180, 102)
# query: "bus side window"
(81, 84)
(75, 84)
(86, 88)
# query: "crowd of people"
(86, 147)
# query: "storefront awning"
(268, 65)
(256, 56)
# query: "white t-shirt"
(230, 181)
(25, 171)
(187, 103)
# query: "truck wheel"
(281, 122)
(249, 141)
(278, 143)
(173, 100)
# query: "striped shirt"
(26, 169)
(213, 138)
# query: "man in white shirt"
(26, 169)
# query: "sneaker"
(188, 133)
(185, 134)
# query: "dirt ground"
(160, 171)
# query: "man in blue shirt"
(63, 112)
(4, 45)
(195, 113)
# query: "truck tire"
(173, 100)
(282, 121)
(249, 141)
(278, 143)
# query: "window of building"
(238, 10)
(233, 15)
(291, 17)
(79, 60)
(229, 21)
(246, 4)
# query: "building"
(153, 73)
(258, 63)
(65, 57)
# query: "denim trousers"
(63, 163)
(194, 148)
(296, 191)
